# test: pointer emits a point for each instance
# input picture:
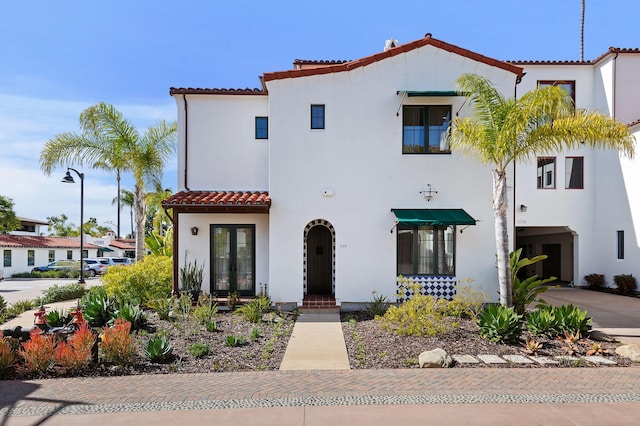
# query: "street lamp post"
(69, 179)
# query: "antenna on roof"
(582, 32)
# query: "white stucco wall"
(197, 247)
(19, 258)
(359, 157)
(610, 200)
(222, 151)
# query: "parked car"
(95, 266)
(57, 265)
(116, 261)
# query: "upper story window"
(568, 85)
(546, 172)
(426, 250)
(425, 129)
(574, 172)
(317, 116)
(262, 127)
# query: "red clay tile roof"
(198, 91)
(123, 244)
(218, 198)
(403, 48)
(30, 241)
(612, 50)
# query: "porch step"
(319, 304)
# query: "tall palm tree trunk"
(500, 204)
(140, 206)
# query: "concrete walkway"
(316, 343)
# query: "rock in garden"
(629, 351)
(437, 358)
(600, 336)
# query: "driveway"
(618, 316)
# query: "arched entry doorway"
(319, 241)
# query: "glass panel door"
(233, 259)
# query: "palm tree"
(505, 131)
(126, 198)
(111, 141)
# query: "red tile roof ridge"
(403, 48)
(634, 123)
(320, 61)
(202, 197)
(214, 91)
(9, 240)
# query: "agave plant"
(158, 349)
(97, 307)
(499, 324)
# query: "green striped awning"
(433, 217)
(429, 93)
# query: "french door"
(233, 259)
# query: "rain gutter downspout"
(613, 95)
(515, 96)
(186, 141)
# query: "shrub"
(542, 322)
(594, 280)
(626, 283)
(378, 305)
(205, 311)
(162, 306)
(38, 352)
(75, 353)
(198, 350)
(118, 345)
(7, 357)
(499, 324)
(467, 302)
(158, 349)
(97, 307)
(211, 326)
(526, 291)
(3, 304)
(419, 316)
(57, 293)
(143, 281)
(255, 309)
(19, 307)
(572, 320)
(234, 340)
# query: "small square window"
(262, 128)
(317, 116)
(425, 129)
(568, 85)
(546, 173)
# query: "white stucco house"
(334, 179)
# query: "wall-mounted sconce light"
(523, 208)
(194, 230)
(428, 193)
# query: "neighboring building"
(20, 253)
(114, 247)
(30, 227)
(336, 178)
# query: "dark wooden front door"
(319, 261)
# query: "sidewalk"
(329, 394)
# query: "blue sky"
(59, 57)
